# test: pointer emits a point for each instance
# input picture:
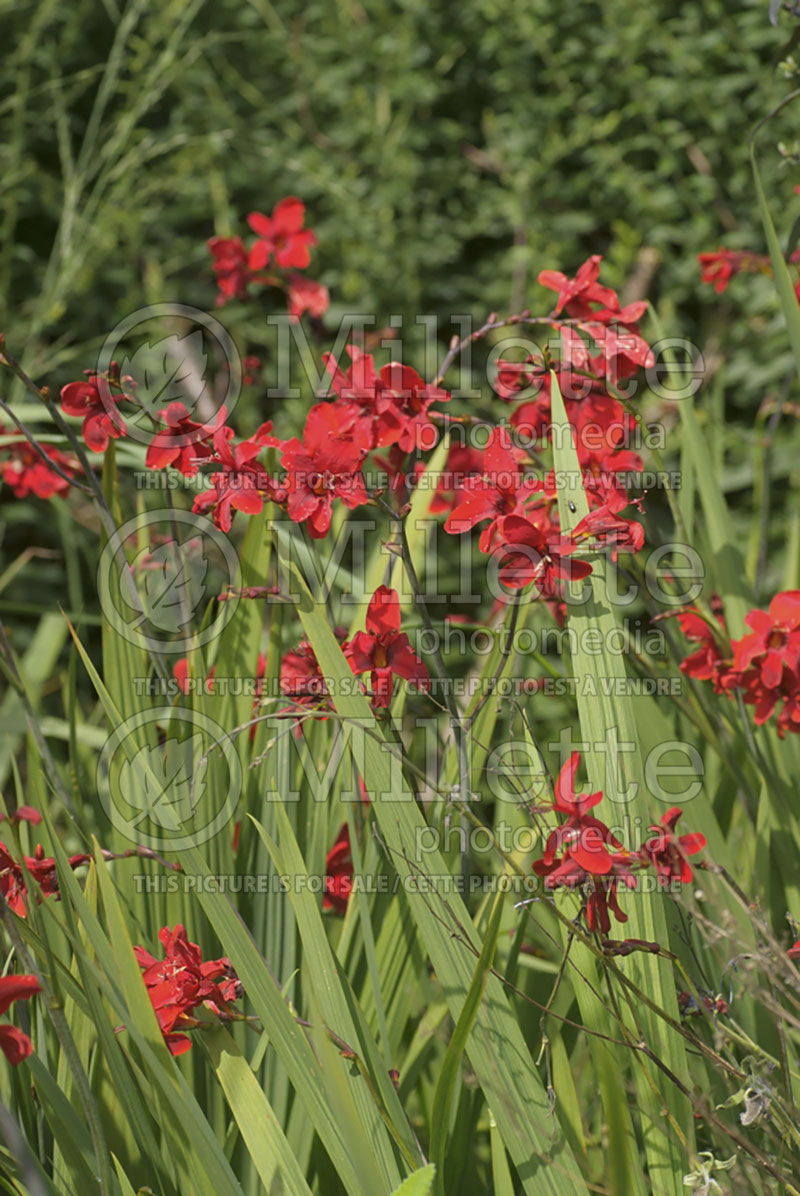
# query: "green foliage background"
(447, 152)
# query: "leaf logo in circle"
(173, 586)
(168, 371)
(161, 784)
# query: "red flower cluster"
(373, 409)
(524, 525)
(381, 650)
(522, 530)
(241, 483)
(384, 407)
(595, 318)
(181, 981)
(183, 443)
(324, 465)
(15, 1045)
(281, 236)
(23, 469)
(717, 269)
(764, 664)
(708, 662)
(500, 490)
(96, 401)
(281, 242)
(583, 853)
(13, 881)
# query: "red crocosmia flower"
(338, 874)
(230, 266)
(15, 1045)
(383, 650)
(766, 698)
(708, 663)
(623, 352)
(362, 399)
(575, 294)
(578, 375)
(794, 951)
(22, 468)
(789, 717)
(301, 676)
(83, 399)
(13, 880)
(181, 982)
(765, 665)
(17, 988)
(720, 267)
(24, 814)
(623, 535)
(601, 888)
(281, 236)
(566, 801)
(774, 643)
(12, 883)
(584, 836)
(528, 555)
(412, 398)
(242, 484)
(514, 377)
(392, 404)
(502, 490)
(600, 426)
(584, 854)
(183, 443)
(598, 308)
(667, 852)
(325, 465)
(306, 295)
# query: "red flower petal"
(383, 616)
(17, 988)
(15, 1045)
